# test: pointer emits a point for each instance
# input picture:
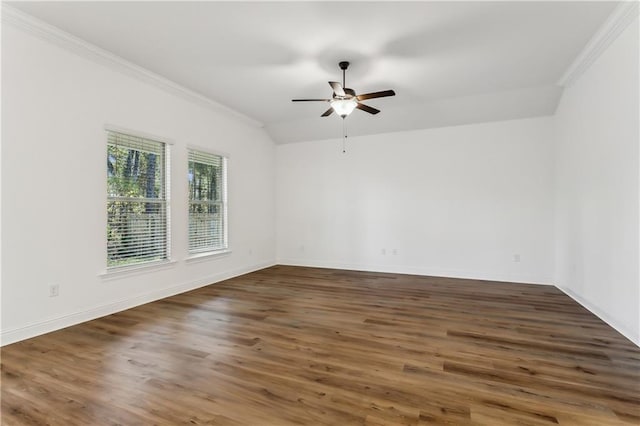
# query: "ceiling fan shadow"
(461, 33)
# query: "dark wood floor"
(291, 346)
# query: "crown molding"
(41, 29)
(615, 24)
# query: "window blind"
(207, 202)
(137, 225)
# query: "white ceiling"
(449, 62)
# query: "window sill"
(123, 271)
(199, 257)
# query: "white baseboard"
(472, 275)
(620, 328)
(21, 333)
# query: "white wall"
(456, 201)
(54, 107)
(597, 189)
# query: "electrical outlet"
(383, 252)
(395, 252)
(516, 258)
(54, 290)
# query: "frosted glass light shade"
(343, 107)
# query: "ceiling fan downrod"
(343, 66)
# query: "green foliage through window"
(207, 203)
(136, 205)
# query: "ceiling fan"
(345, 100)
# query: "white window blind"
(137, 225)
(207, 202)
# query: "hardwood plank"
(292, 345)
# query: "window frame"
(165, 202)
(224, 205)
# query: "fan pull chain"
(344, 136)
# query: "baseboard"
(633, 337)
(394, 269)
(42, 327)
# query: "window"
(207, 202)
(137, 225)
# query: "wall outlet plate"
(54, 290)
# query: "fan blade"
(367, 108)
(310, 100)
(337, 88)
(381, 94)
(327, 112)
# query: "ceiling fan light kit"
(344, 107)
(345, 100)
